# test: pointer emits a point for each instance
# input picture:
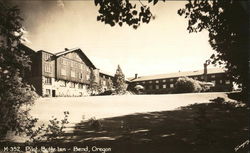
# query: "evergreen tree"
(110, 84)
(93, 84)
(119, 81)
(14, 92)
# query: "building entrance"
(53, 93)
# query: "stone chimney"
(205, 69)
(136, 76)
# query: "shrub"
(187, 85)
(48, 133)
(94, 123)
(218, 100)
(205, 86)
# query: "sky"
(162, 46)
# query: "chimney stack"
(136, 76)
(205, 69)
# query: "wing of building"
(165, 83)
(66, 73)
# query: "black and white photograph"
(124, 76)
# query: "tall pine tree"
(119, 81)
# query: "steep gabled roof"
(75, 50)
(178, 74)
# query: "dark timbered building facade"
(165, 83)
(66, 73)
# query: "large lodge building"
(67, 73)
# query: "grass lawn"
(198, 128)
(112, 106)
(185, 123)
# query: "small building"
(165, 83)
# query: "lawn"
(198, 128)
(111, 106)
(188, 123)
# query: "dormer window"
(47, 68)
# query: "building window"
(73, 74)
(163, 80)
(171, 85)
(213, 82)
(221, 81)
(63, 71)
(87, 77)
(104, 82)
(171, 80)
(80, 75)
(150, 87)
(150, 81)
(46, 57)
(195, 78)
(72, 85)
(48, 80)
(212, 76)
(202, 77)
(157, 87)
(164, 86)
(47, 68)
(48, 92)
(143, 82)
(228, 82)
(157, 81)
(72, 64)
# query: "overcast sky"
(162, 46)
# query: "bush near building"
(187, 85)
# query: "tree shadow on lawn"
(199, 128)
